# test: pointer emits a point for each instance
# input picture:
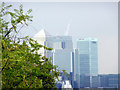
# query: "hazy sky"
(99, 20)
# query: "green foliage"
(22, 66)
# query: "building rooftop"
(87, 39)
(42, 33)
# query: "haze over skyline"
(79, 20)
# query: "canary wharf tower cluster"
(80, 61)
(62, 48)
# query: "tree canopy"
(22, 65)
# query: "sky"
(81, 20)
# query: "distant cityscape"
(81, 63)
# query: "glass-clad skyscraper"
(63, 47)
(75, 67)
(88, 56)
(88, 60)
(85, 60)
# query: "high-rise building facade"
(88, 56)
(75, 68)
(44, 38)
(63, 47)
(85, 60)
(108, 80)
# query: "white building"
(44, 38)
(66, 84)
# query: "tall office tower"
(75, 68)
(88, 55)
(63, 47)
(88, 59)
(44, 38)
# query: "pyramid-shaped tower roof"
(42, 33)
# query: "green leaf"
(21, 9)
(26, 37)
(8, 6)
(17, 11)
(14, 27)
(31, 39)
(11, 13)
(12, 21)
(24, 43)
(29, 11)
(49, 48)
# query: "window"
(63, 45)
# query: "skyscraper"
(88, 56)
(88, 59)
(63, 47)
(44, 38)
(85, 60)
(75, 68)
